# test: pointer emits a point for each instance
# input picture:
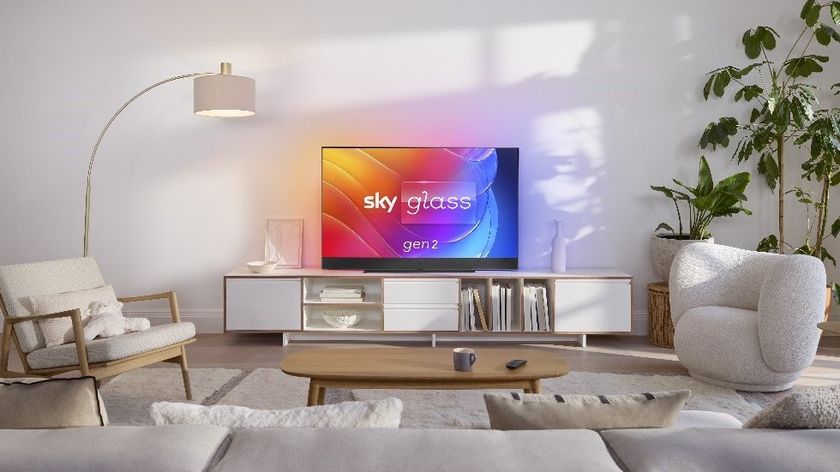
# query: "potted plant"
(783, 112)
(704, 202)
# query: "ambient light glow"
(419, 203)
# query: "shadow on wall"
(599, 98)
(571, 93)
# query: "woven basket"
(660, 326)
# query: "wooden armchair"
(100, 358)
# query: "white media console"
(428, 305)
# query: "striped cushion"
(525, 411)
(113, 348)
(21, 281)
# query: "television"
(419, 208)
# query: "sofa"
(744, 319)
(701, 441)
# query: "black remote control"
(516, 363)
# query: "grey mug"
(464, 359)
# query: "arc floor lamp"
(214, 94)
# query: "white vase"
(558, 249)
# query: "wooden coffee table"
(419, 368)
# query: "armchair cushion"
(113, 348)
(20, 281)
(716, 275)
(57, 331)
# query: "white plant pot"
(663, 250)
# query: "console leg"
(582, 340)
(434, 340)
(285, 339)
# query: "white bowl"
(342, 319)
(260, 267)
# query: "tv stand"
(417, 271)
(424, 305)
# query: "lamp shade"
(224, 95)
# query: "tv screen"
(419, 208)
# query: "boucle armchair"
(743, 319)
(101, 357)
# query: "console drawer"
(421, 291)
(421, 319)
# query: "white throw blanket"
(106, 320)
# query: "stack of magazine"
(536, 309)
(472, 311)
(501, 301)
(343, 294)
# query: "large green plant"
(783, 112)
(705, 201)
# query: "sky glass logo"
(429, 202)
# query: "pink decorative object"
(284, 242)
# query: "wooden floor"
(617, 354)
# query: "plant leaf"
(835, 227)
(768, 244)
(823, 34)
(665, 226)
(826, 256)
(705, 183)
(768, 40)
(835, 12)
(810, 13)
(752, 45)
(717, 134)
(769, 168)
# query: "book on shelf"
(508, 307)
(536, 308)
(467, 310)
(496, 312)
(542, 309)
(342, 293)
(479, 309)
(501, 299)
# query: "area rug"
(128, 396)
(465, 408)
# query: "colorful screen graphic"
(385, 207)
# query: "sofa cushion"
(809, 408)
(415, 450)
(366, 414)
(117, 347)
(705, 419)
(57, 331)
(51, 403)
(515, 411)
(129, 448)
(725, 450)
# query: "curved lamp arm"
(102, 134)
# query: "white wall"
(603, 98)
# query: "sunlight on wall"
(571, 142)
(682, 28)
(345, 72)
(215, 189)
(539, 50)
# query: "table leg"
(322, 392)
(535, 386)
(314, 390)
